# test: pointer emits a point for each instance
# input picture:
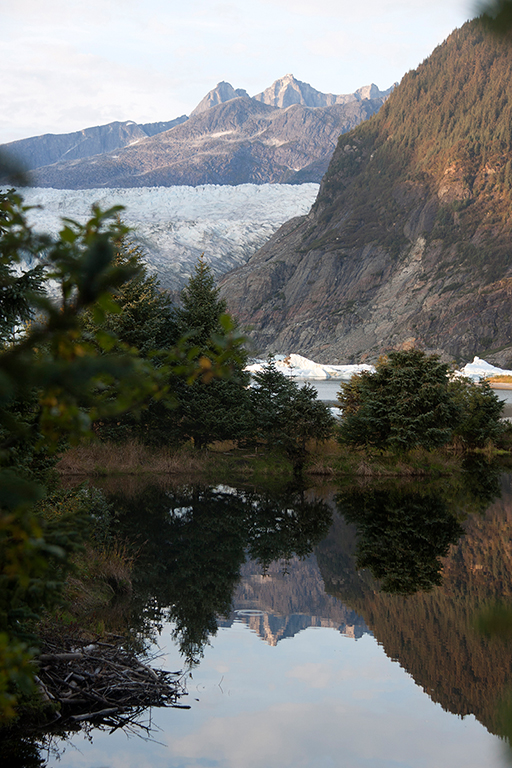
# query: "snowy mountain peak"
(286, 91)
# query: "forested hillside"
(409, 239)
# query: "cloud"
(297, 735)
(66, 65)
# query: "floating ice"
(480, 369)
(300, 367)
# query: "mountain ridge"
(229, 138)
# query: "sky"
(72, 64)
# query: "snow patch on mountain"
(176, 224)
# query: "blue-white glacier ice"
(176, 224)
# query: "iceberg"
(300, 367)
(480, 369)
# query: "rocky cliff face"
(408, 242)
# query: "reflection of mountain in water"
(287, 599)
(432, 634)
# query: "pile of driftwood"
(103, 683)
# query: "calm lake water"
(327, 627)
(328, 389)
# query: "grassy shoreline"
(328, 460)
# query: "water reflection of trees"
(401, 536)
(404, 531)
(432, 634)
(193, 541)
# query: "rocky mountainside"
(288, 90)
(229, 138)
(409, 241)
(52, 148)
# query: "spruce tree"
(409, 401)
(201, 308)
(218, 409)
(288, 416)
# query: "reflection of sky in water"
(317, 700)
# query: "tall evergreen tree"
(218, 409)
(288, 416)
(201, 308)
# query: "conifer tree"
(288, 416)
(145, 318)
(218, 409)
(201, 308)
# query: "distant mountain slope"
(229, 138)
(235, 142)
(409, 241)
(52, 148)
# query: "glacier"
(174, 225)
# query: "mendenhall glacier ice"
(176, 224)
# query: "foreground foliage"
(56, 382)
